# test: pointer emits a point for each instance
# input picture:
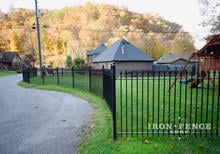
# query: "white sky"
(183, 12)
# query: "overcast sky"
(183, 12)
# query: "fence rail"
(142, 103)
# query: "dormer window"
(123, 49)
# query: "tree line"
(74, 30)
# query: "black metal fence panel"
(85, 79)
(107, 89)
(145, 106)
(28, 73)
(109, 93)
(96, 82)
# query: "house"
(171, 62)
(125, 56)
(91, 54)
(9, 60)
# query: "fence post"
(28, 75)
(58, 83)
(113, 101)
(89, 79)
(35, 71)
(24, 73)
(43, 73)
(103, 83)
(72, 70)
(217, 130)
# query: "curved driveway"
(38, 121)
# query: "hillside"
(73, 31)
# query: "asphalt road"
(38, 121)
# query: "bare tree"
(210, 10)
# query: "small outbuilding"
(91, 54)
(125, 56)
(9, 60)
(171, 62)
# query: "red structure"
(209, 60)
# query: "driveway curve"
(39, 121)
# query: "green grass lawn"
(7, 73)
(98, 138)
(80, 82)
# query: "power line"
(97, 30)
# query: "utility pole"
(39, 37)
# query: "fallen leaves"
(146, 141)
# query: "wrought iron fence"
(28, 73)
(109, 93)
(85, 79)
(142, 103)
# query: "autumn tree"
(183, 44)
(155, 46)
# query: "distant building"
(10, 60)
(91, 54)
(125, 56)
(171, 62)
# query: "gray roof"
(97, 51)
(7, 56)
(122, 50)
(171, 58)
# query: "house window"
(0, 54)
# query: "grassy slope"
(99, 136)
(7, 73)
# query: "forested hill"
(73, 31)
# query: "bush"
(69, 62)
(79, 63)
